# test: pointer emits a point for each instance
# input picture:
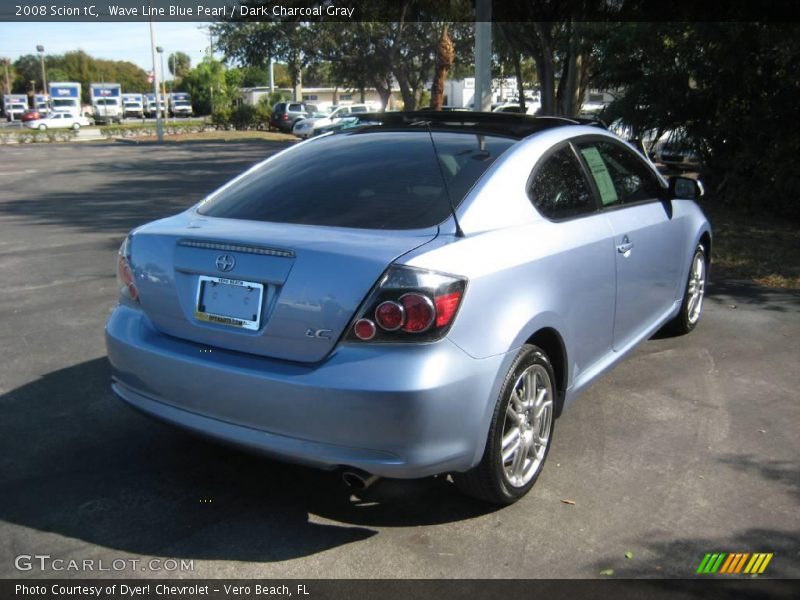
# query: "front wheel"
(692, 305)
(42, 127)
(520, 433)
(76, 126)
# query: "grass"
(764, 250)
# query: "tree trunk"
(569, 88)
(445, 56)
(385, 93)
(409, 99)
(520, 84)
(545, 66)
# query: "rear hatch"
(277, 261)
(286, 291)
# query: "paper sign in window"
(608, 194)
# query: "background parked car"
(340, 125)
(285, 115)
(31, 115)
(674, 150)
(308, 127)
(512, 107)
(59, 120)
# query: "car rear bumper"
(394, 410)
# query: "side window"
(620, 175)
(558, 189)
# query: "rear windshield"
(370, 179)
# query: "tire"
(76, 126)
(508, 470)
(42, 127)
(692, 306)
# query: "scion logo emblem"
(225, 262)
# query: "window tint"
(296, 107)
(620, 176)
(559, 189)
(367, 179)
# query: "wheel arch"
(549, 340)
(705, 240)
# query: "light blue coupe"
(420, 295)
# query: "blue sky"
(113, 41)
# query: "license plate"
(229, 302)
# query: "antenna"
(459, 231)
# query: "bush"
(221, 117)
(243, 117)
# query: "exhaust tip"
(358, 481)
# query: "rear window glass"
(371, 179)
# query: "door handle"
(626, 246)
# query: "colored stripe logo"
(733, 563)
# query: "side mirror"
(685, 188)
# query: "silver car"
(421, 295)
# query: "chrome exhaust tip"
(358, 480)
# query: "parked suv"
(286, 114)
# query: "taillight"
(125, 278)
(285, 117)
(390, 315)
(420, 312)
(409, 305)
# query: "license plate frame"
(232, 287)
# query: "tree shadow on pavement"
(74, 460)
(680, 557)
(747, 294)
(130, 185)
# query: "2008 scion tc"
(420, 295)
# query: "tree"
(254, 44)
(357, 56)
(27, 68)
(385, 46)
(179, 64)
(731, 87)
(7, 75)
(208, 86)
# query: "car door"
(648, 246)
(580, 265)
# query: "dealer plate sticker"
(229, 302)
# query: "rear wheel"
(76, 126)
(692, 305)
(42, 127)
(520, 432)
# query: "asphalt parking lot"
(691, 446)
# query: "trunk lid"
(312, 281)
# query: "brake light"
(125, 277)
(446, 307)
(420, 310)
(409, 305)
(285, 117)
